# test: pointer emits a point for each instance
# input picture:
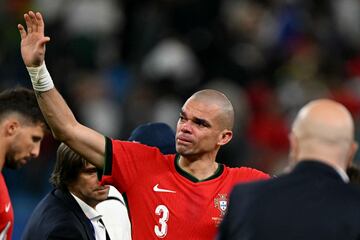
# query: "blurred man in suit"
(314, 201)
(68, 211)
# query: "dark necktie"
(107, 235)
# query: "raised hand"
(33, 40)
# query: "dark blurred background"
(122, 63)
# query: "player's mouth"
(183, 140)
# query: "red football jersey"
(163, 200)
(6, 212)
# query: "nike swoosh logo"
(157, 189)
(7, 207)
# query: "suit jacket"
(310, 203)
(58, 216)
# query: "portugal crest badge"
(221, 203)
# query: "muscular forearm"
(89, 143)
(57, 114)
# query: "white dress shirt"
(342, 174)
(94, 217)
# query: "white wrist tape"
(40, 78)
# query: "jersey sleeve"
(245, 174)
(254, 174)
(127, 161)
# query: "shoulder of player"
(247, 172)
(131, 146)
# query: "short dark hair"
(22, 101)
(67, 167)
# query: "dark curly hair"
(22, 101)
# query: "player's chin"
(182, 147)
(183, 151)
(180, 150)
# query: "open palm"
(33, 40)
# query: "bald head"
(324, 126)
(210, 96)
(326, 120)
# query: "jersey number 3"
(162, 228)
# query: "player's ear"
(11, 126)
(294, 148)
(352, 151)
(225, 137)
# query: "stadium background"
(122, 63)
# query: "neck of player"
(201, 168)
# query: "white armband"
(40, 78)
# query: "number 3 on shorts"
(163, 212)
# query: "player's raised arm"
(58, 115)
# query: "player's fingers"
(33, 21)
(22, 31)
(40, 22)
(43, 41)
(28, 23)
